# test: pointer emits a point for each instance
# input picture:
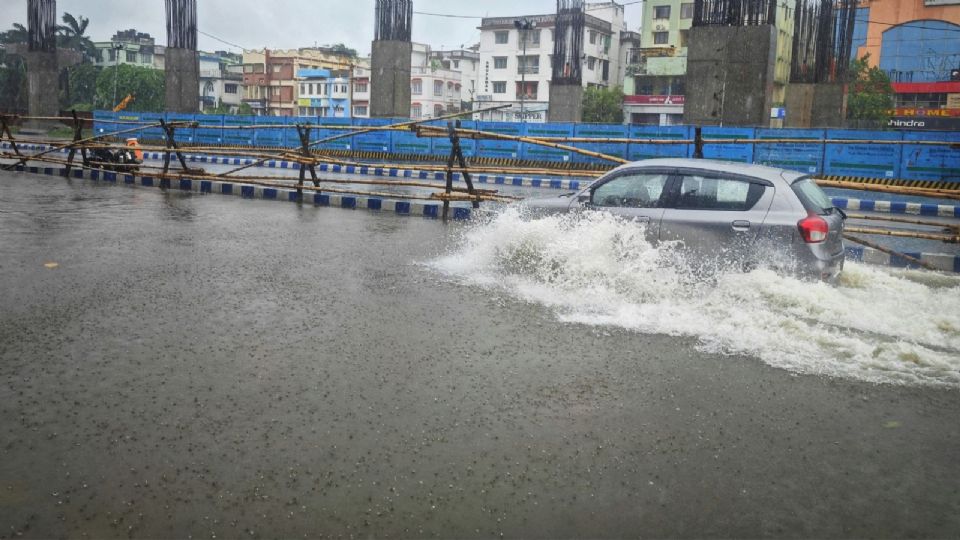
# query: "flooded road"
(177, 365)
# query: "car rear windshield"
(813, 198)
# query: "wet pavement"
(177, 365)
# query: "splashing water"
(875, 324)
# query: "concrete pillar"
(390, 79)
(182, 63)
(182, 80)
(43, 84)
(730, 75)
(566, 103)
(815, 105)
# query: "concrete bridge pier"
(182, 70)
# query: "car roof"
(763, 172)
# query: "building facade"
(467, 63)
(917, 44)
(434, 90)
(360, 98)
(270, 77)
(515, 65)
(132, 48)
(221, 80)
(323, 93)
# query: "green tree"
(870, 95)
(341, 48)
(245, 109)
(83, 87)
(13, 85)
(603, 105)
(19, 34)
(70, 35)
(146, 84)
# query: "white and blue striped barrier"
(893, 207)
(247, 191)
(866, 205)
(940, 261)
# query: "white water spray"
(875, 324)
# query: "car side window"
(632, 190)
(708, 193)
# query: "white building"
(361, 89)
(516, 65)
(434, 90)
(221, 80)
(467, 63)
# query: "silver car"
(728, 214)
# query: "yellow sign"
(303, 102)
(953, 101)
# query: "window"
(437, 110)
(686, 10)
(416, 87)
(438, 88)
(530, 38)
(591, 63)
(276, 69)
(360, 110)
(499, 62)
(705, 193)
(248, 68)
(415, 110)
(146, 58)
(684, 36)
(528, 64)
(112, 53)
(303, 89)
(360, 87)
(131, 56)
(661, 12)
(500, 87)
(528, 92)
(661, 38)
(593, 37)
(636, 190)
(230, 88)
(501, 38)
(456, 64)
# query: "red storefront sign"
(911, 111)
(653, 100)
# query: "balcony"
(528, 70)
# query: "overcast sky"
(255, 24)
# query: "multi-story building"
(655, 95)
(516, 64)
(221, 80)
(360, 99)
(270, 76)
(434, 90)
(917, 43)
(323, 93)
(467, 63)
(130, 47)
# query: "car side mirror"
(584, 198)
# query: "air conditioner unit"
(660, 27)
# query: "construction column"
(41, 58)
(182, 63)
(390, 60)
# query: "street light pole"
(523, 25)
(116, 69)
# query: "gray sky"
(292, 23)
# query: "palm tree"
(71, 35)
(19, 34)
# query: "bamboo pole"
(475, 134)
(889, 251)
(939, 194)
(946, 238)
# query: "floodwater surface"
(178, 365)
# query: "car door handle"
(643, 219)
(741, 225)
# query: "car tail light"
(813, 229)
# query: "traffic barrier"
(941, 261)
(863, 160)
(806, 157)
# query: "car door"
(714, 213)
(633, 194)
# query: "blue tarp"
(742, 152)
(238, 137)
(500, 149)
(797, 156)
(927, 162)
(212, 134)
(377, 141)
(535, 152)
(638, 151)
(862, 160)
(600, 131)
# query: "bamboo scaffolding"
(889, 251)
(896, 219)
(920, 192)
(273, 181)
(900, 233)
(476, 134)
